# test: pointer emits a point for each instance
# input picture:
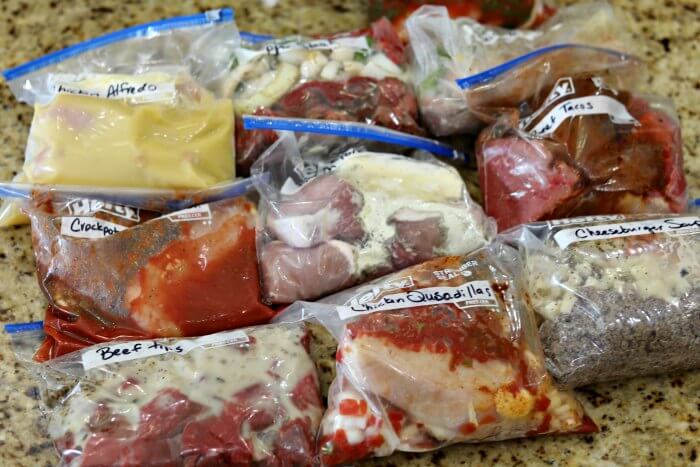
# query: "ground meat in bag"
(357, 77)
(439, 353)
(240, 397)
(332, 221)
(581, 147)
(619, 295)
(187, 273)
(459, 64)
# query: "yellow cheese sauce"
(84, 140)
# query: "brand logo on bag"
(468, 295)
(670, 226)
(85, 207)
(447, 274)
(197, 213)
(308, 169)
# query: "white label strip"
(470, 294)
(88, 227)
(590, 105)
(136, 90)
(670, 225)
(277, 47)
(124, 351)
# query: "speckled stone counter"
(646, 421)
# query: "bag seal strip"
(213, 16)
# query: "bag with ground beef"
(112, 271)
(439, 353)
(461, 68)
(618, 296)
(359, 76)
(582, 147)
(341, 203)
(243, 397)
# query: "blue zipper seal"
(210, 17)
(352, 130)
(491, 73)
(254, 38)
(14, 328)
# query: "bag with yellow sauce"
(132, 109)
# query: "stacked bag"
(180, 297)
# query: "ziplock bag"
(460, 66)
(110, 275)
(440, 353)
(138, 107)
(359, 76)
(508, 14)
(240, 397)
(342, 204)
(582, 147)
(619, 296)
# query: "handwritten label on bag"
(279, 47)
(141, 88)
(467, 295)
(88, 227)
(670, 225)
(124, 351)
(589, 105)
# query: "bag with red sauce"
(581, 146)
(115, 272)
(359, 76)
(342, 203)
(460, 66)
(243, 397)
(439, 353)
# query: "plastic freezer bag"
(618, 295)
(336, 211)
(239, 397)
(440, 353)
(108, 274)
(138, 106)
(582, 147)
(359, 76)
(509, 14)
(460, 66)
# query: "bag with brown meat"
(439, 353)
(112, 271)
(582, 146)
(618, 296)
(359, 76)
(461, 66)
(341, 203)
(243, 397)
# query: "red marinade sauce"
(200, 296)
(441, 329)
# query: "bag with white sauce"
(439, 353)
(619, 296)
(341, 204)
(243, 397)
(359, 76)
(461, 66)
(112, 271)
(134, 108)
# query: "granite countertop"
(645, 421)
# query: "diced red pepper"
(352, 407)
(542, 403)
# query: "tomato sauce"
(441, 329)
